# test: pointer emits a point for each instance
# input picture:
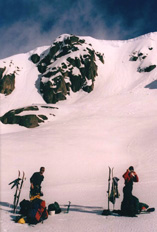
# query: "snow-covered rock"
(69, 64)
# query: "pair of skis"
(112, 194)
(112, 190)
(18, 183)
(109, 186)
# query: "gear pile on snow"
(33, 212)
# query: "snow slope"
(115, 125)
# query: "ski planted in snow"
(18, 183)
(19, 192)
(15, 183)
(112, 191)
(108, 191)
(112, 194)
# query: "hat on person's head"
(131, 168)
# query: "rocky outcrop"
(27, 120)
(147, 69)
(7, 77)
(141, 56)
(70, 64)
(2, 71)
(138, 56)
(7, 82)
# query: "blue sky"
(27, 24)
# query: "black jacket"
(36, 179)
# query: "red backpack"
(37, 212)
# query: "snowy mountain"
(77, 107)
(73, 64)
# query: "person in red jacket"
(130, 176)
(130, 203)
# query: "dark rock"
(88, 89)
(150, 68)
(49, 107)
(147, 69)
(2, 71)
(76, 82)
(29, 121)
(7, 84)
(133, 58)
(140, 54)
(42, 68)
(53, 93)
(100, 56)
(35, 58)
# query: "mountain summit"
(31, 82)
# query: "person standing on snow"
(35, 180)
(130, 203)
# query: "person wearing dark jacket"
(36, 180)
(130, 203)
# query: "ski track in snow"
(115, 125)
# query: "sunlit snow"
(115, 125)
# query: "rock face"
(141, 57)
(29, 120)
(70, 64)
(7, 77)
(7, 82)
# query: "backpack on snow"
(25, 207)
(54, 207)
(38, 211)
